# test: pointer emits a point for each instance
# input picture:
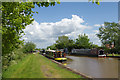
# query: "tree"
(29, 47)
(110, 34)
(62, 42)
(52, 46)
(94, 46)
(82, 42)
(15, 16)
(70, 45)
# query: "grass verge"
(114, 54)
(37, 66)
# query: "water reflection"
(95, 67)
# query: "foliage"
(29, 47)
(94, 46)
(63, 42)
(110, 34)
(82, 42)
(70, 45)
(52, 47)
(15, 16)
(37, 49)
(95, 1)
(13, 58)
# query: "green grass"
(114, 55)
(37, 66)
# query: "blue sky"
(86, 15)
(92, 13)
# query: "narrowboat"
(60, 56)
(85, 52)
(56, 55)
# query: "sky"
(69, 19)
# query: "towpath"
(37, 66)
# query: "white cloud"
(45, 34)
(96, 31)
(99, 25)
(31, 33)
(102, 24)
(93, 38)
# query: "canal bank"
(74, 71)
(37, 66)
(114, 56)
(61, 64)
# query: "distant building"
(112, 46)
(109, 46)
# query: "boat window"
(63, 54)
(55, 55)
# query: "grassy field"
(37, 66)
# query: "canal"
(94, 67)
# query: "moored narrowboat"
(56, 55)
(60, 56)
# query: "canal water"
(94, 67)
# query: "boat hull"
(60, 59)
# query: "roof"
(51, 50)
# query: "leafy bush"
(12, 58)
(29, 47)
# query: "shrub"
(29, 47)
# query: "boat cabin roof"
(51, 50)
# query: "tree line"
(65, 42)
(109, 34)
